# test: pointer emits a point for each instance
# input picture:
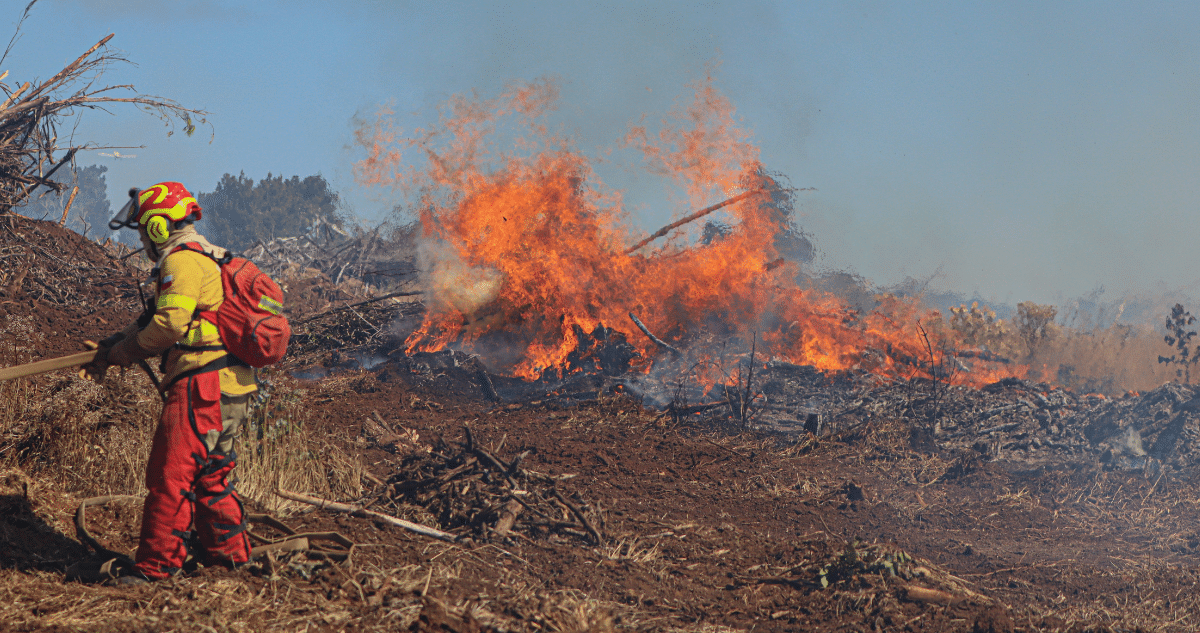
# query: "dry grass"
(91, 438)
(94, 439)
(1111, 361)
(36, 601)
(630, 549)
(572, 611)
(16, 342)
(278, 449)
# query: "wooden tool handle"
(50, 364)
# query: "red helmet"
(156, 209)
(169, 199)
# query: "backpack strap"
(200, 348)
(195, 248)
(207, 315)
(228, 360)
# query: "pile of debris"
(884, 573)
(366, 260)
(472, 491)
(354, 335)
(1158, 429)
(48, 264)
(71, 288)
(349, 297)
(1021, 424)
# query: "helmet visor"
(127, 216)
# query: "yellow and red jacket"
(189, 283)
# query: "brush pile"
(353, 333)
(468, 489)
(365, 259)
(61, 272)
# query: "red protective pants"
(188, 486)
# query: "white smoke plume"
(450, 282)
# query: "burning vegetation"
(527, 262)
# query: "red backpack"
(250, 320)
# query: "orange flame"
(523, 249)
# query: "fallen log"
(508, 517)
(325, 504)
(925, 594)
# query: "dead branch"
(496, 462)
(657, 341)
(29, 117)
(695, 216)
(746, 397)
(325, 504)
(67, 209)
(355, 305)
(579, 515)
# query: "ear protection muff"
(157, 229)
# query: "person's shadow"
(27, 542)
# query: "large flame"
(526, 249)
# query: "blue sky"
(1021, 150)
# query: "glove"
(96, 369)
(127, 352)
(111, 341)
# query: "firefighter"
(206, 392)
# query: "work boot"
(126, 581)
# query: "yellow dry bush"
(979, 327)
(1035, 325)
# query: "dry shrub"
(91, 438)
(1030, 330)
(1035, 326)
(979, 327)
(279, 449)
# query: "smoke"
(452, 284)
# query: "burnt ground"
(917, 507)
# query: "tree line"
(237, 212)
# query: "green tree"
(239, 212)
(91, 210)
